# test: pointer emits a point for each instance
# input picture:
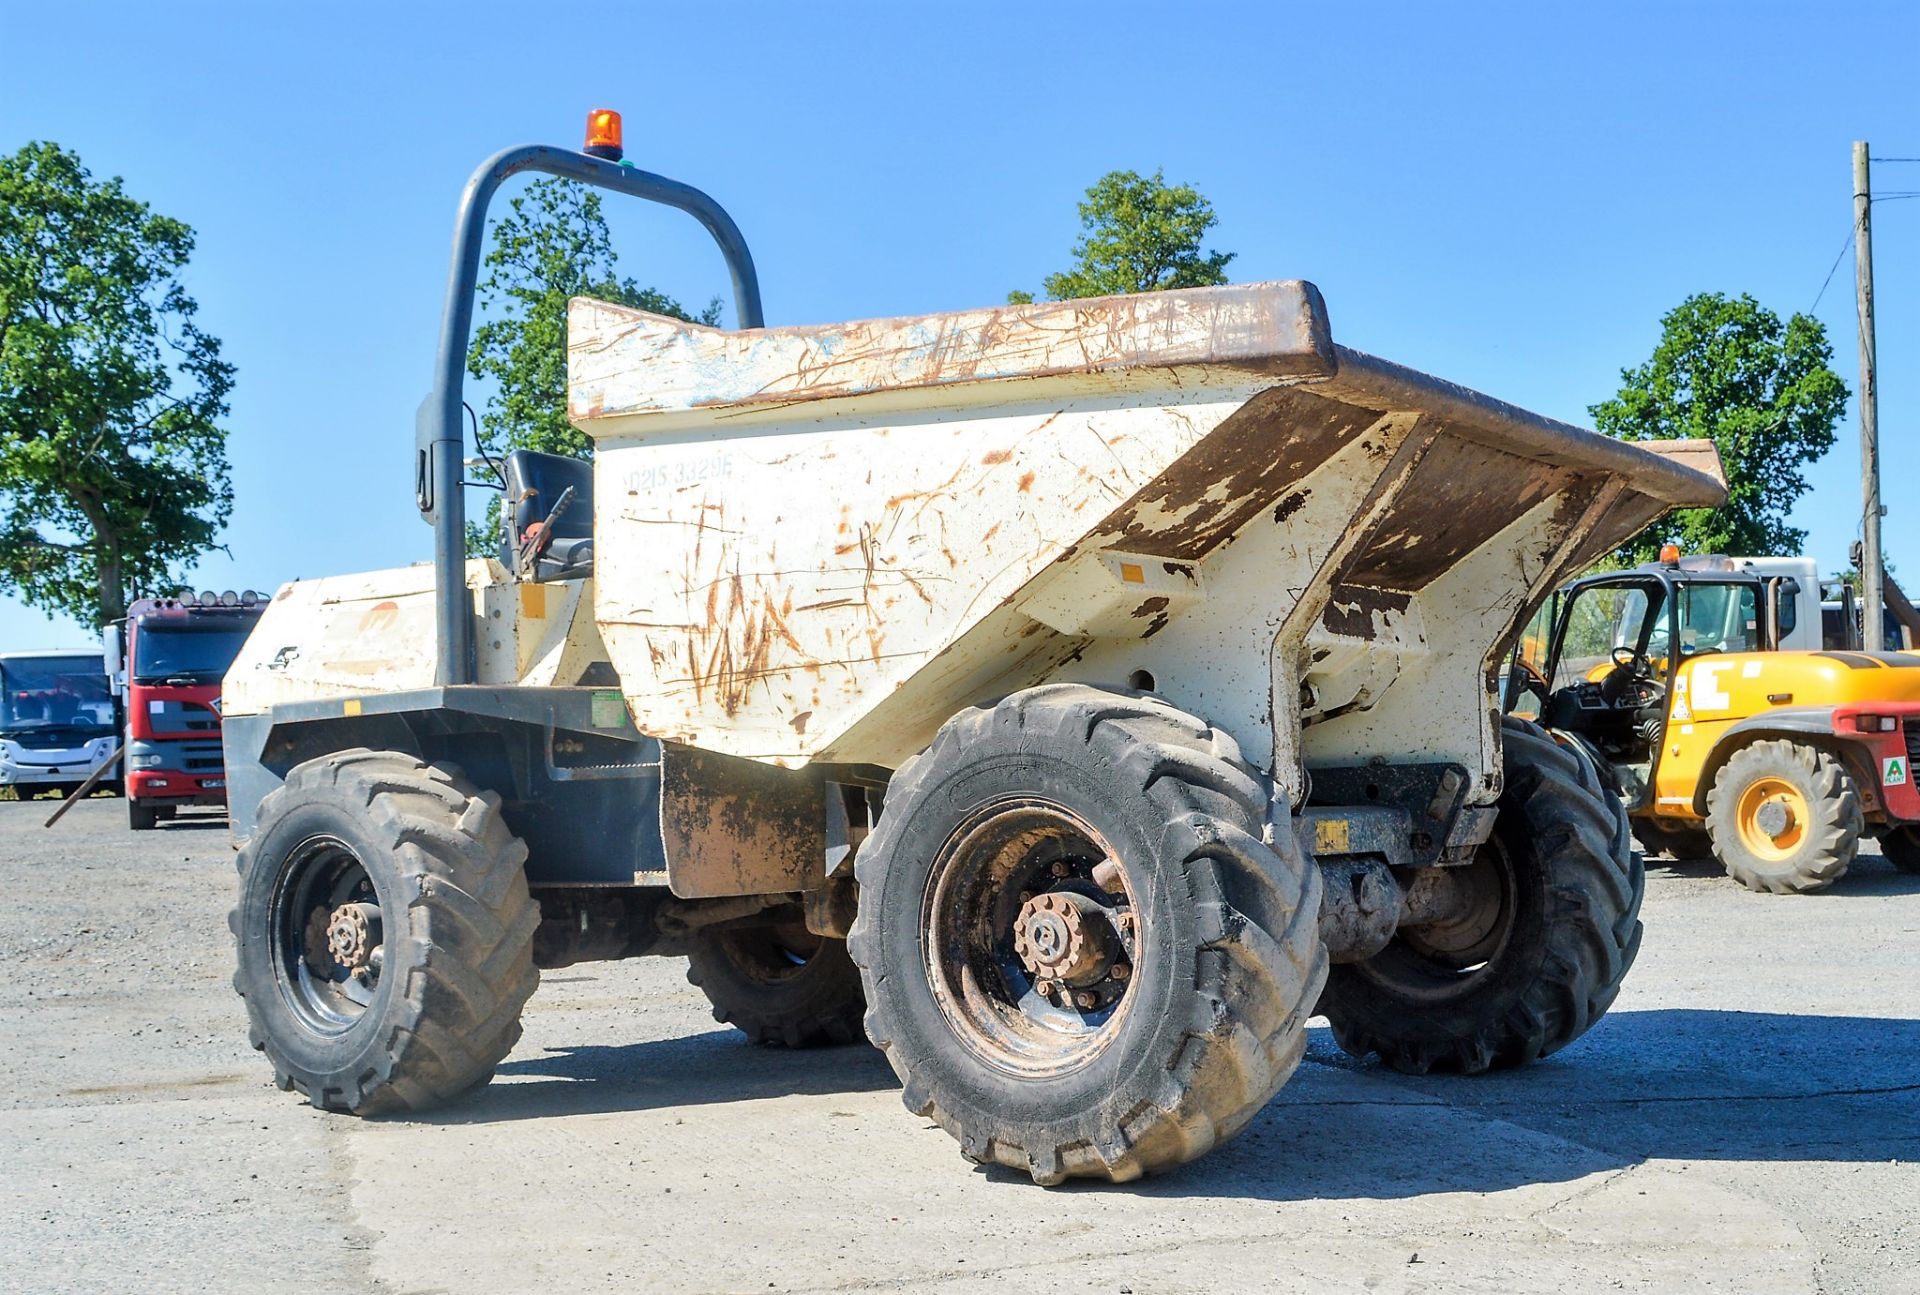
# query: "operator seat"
(535, 482)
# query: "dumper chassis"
(1132, 700)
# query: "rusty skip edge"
(1280, 329)
(1276, 329)
(1681, 474)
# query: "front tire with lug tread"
(1563, 888)
(384, 932)
(1785, 817)
(1080, 957)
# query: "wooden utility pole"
(1873, 599)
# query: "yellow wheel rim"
(1773, 817)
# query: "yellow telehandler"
(1702, 687)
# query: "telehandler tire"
(356, 847)
(779, 984)
(1785, 817)
(1079, 956)
(1901, 846)
(1544, 956)
(1679, 843)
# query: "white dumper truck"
(1074, 697)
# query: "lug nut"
(1120, 971)
(1087, 999)
(1044, 988)
(1061, 870)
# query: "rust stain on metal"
(992, 457)
(1154, 611)
(1026, 482)
(1460, 496)
(1351, 609)
(1234, 472)
(737, 827)
(1292, 504)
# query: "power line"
(1897, 159)
(1830, 269)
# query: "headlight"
(144, 761)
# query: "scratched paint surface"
(373, 632)
(820, 543)
(760, 598)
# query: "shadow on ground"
(1668, 1085)
(1870, 876)
(698, 1070)
(1656, 1085)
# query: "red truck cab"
(177, 651)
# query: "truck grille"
(1910, 729)
(200, 757)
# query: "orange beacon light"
(603, 134)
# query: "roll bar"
(439, 436)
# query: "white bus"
(57, 721)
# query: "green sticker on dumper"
(609, 710)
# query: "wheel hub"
(1774, 818)
(1063, 935)
(353, 936)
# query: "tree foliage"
(113, 465)
(552, 244)
(1763, 391)
(1138, 234)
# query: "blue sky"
(1506, 195)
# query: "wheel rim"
(328, 936)
(1773, 817)
(1439, 959)
(769, 955)
(1032, 937)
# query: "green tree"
(113, 465)
(1764, 392)
(1138, 234)
(552, 244)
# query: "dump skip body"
(817, 544)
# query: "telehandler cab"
(1077, 696)
(1698, 685)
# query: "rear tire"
(1565, 930)
(1785, 817)
(1901, 846)
(1115, 842)
(779, 984)
(1678, 843)
(427, 1000)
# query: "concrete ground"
(1746, 1119)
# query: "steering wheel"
(1626, 658)
(1531, 680)
(1630, 668)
